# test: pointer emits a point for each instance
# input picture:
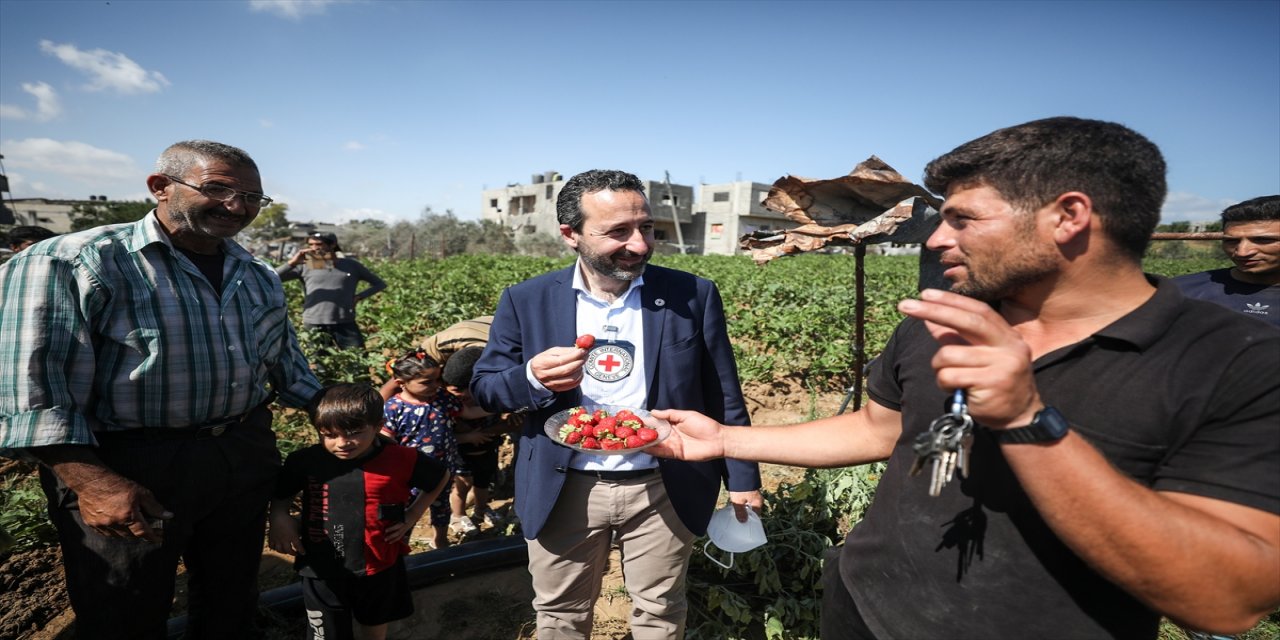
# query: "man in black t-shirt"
(1252, 242)
(1125, 464)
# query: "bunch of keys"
(946, 443)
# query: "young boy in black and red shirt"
(356, 515)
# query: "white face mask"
(728, 534)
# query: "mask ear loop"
(709, 556)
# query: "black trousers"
(218, 489)
(840, 617)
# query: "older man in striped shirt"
(137, 362)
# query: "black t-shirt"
(1181, 395)
(346, 504)
(209, 265)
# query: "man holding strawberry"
(647, 337)
(1124, 463)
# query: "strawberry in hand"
(585, 341)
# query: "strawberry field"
(792, 318)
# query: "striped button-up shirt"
(113, 329)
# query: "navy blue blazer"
(688, 365)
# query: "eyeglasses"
(225, 194)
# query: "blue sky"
(380, 108)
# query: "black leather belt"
(207, 430)
(615, 476)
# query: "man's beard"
(608, 265)
(1007, 276)
(197, 219)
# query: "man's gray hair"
(181, 157)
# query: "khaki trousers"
(568, 558)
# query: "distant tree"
(87, 216)
(442, 235)
(542, 245)
(272, 221)
(1213, 227)
(1174, 227)
(373, 223)
(402, 240)
(492, 237)
(365, 239)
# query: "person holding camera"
(329, 280)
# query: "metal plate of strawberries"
(606, 429)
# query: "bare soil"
(491, 606)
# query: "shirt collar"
(1143, 326)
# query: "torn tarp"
(872, 204)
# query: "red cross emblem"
(609, 363)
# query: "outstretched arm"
(848, 439)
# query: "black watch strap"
(1047, 426)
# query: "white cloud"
(292, 9)
(107, 69)
(86, 164)
(353, 146)
(48, 106)
(366, 213)
(1182, 206)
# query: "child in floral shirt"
(421, 416)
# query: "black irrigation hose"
(426, 568)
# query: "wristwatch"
(1047, 426)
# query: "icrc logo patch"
(609, 362)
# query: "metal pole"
(675, 217)
(860, 319)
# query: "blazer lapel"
(562, 313)
(654, 315)
(562, 309)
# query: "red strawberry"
(634, 442)
(603, 430)
(600, 414)
(624, 432)
(646, 434)
(590, 443)
(624, 414)
(584, 341)
(608, 422)
(611, 444)
(573, 437)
